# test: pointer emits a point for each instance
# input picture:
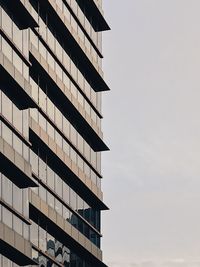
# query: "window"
(73, 199)
(42, 122)
(34, 90)
(58, 117)
(50, 131)
(58, 185)
(50, 200)
(6, 190)
(42, 100)
(7, 134)
(7, 217)
(17, 225)
(42, 170)
(66, 193)
(58, 251)
(17, 62)
(34, 162)
(42, 239)
(7, 23)
(25, 202)
(50, 178)
(50, 245)
(42, 193)
(17, 198)
(17, 144)
(58, 206)
(50, 109)
(6, 107)
(17, 118)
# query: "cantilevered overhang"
(15, 247)
(14, 85)
(65, 232)
(94, 15)
(65, 104)
(64, 167)
(72, 46)
(14, 166)
(15, 255)
(20, 11)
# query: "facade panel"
(51, 83)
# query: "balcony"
(20, 11)
(14, 166)
(15, 247)
(73, 45)
(68, 235)
(94, 15)
(66, 102)
(14, 85)
(65, 167)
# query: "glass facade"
(42, 45)
(53, 248)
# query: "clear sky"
(152, 125)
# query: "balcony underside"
(73, 48)
(19, 11)
(13, 85)
(68, 109)
(13, 166)
(15, 247)
(18, 177)
(14, 255)
(94, 15)
(36, 215)
(65, 172)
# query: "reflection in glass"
(50, 245)
(58, 251)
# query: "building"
(51, 82)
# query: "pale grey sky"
(152, 125)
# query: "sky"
(152, 126)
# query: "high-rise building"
(51, 82)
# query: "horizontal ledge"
(13, 84)
(13, 129)
(57, 264)
(15, 255)
(64, 233)
(17, 176)
(79, 54)
(66, 205)
(15, 247)
(66, 172)
(15, 48)
(94, 15)
(76, 17)
(14, 166)
(67, 139)
(98, 112)
(67, 107)
(21, 13)
(15, 212)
